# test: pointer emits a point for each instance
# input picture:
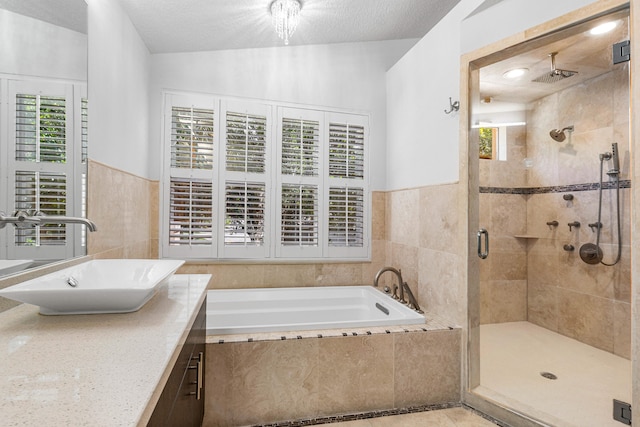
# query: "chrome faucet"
(400, 282)
(54, 219)
(25, 219)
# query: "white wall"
(35, 48)
(118, 90)
(422, 141)
(348, 76)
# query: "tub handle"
(382, 308)
(483, 253)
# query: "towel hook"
(453, 106)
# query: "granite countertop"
(94, 370)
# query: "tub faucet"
(400, 282)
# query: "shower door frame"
(470, 64)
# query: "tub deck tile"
(432, 323)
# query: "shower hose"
(617, 178)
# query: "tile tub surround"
(99, 370)
(265, 378)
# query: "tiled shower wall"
(590, 303)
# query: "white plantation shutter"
(190, 215)
(247, 145)
(256, 179)
(347, 190)
(346, 150)
(299, 182)
(244, 214)
(189, 189)
(41, 163)
(346, 217)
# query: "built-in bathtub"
(240, 311)
(308, 355)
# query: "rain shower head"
(556, 74)
(559, 135)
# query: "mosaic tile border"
(379, 414)
(432, 324)
(624, 183)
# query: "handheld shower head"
(559, 135)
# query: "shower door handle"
(483, 253)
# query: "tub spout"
(400, 282)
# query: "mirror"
(43, 80)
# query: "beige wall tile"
(355, 374)
(437, 218)
(508, 300)
(427, 367)
(120, 204)
(441, 288)
(402, 217)
(378, 215)
(274, 381)
(586, 318)
(622, 329)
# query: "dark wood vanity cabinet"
(182, 400)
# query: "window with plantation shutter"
(299, 215)
(245, 142)
(346, 217)
(189, 222)
(251, 179)
(45, 193)
(191, 212)
(191, 138)
(300, 183)
(44, 166)
(346, 150)
(347, 185)
(244, 214)
(245, 177)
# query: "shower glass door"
(554, 334)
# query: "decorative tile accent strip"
(624, 183)
(378, 414)
(432, 323)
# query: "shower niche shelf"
(525, 236)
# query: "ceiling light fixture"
(515, 73)
(285, 15)
(603, 28)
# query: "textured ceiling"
(71, 14)
(201, 25)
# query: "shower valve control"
(553, 223)
(573, 224)
(595, 226)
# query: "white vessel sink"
(97, 286)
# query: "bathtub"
(241, 311)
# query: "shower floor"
(512, 356)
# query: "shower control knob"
(568, 248)
(568, 197)
(573, 224)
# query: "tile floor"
(453, 417)
(512, 356)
